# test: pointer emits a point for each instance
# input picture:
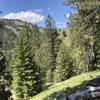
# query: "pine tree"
(50, 36)
(85, 22)
(3, 80)
(26, 73)
(37, 40)
(64, 65)
(5, 77)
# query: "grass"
(70, 83)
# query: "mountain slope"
(66, 87)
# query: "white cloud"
(38, 10)
(28, 16)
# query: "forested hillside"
(26, 45)
(33, 58)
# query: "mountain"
(8, 33)
(15, 25)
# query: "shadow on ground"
(95, 82)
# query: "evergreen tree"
(37, 40)
(3, 80)
(5, 77)
(64, 64)
(50, 36)
(85, 24)
(26, 73)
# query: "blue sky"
(38, 9)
